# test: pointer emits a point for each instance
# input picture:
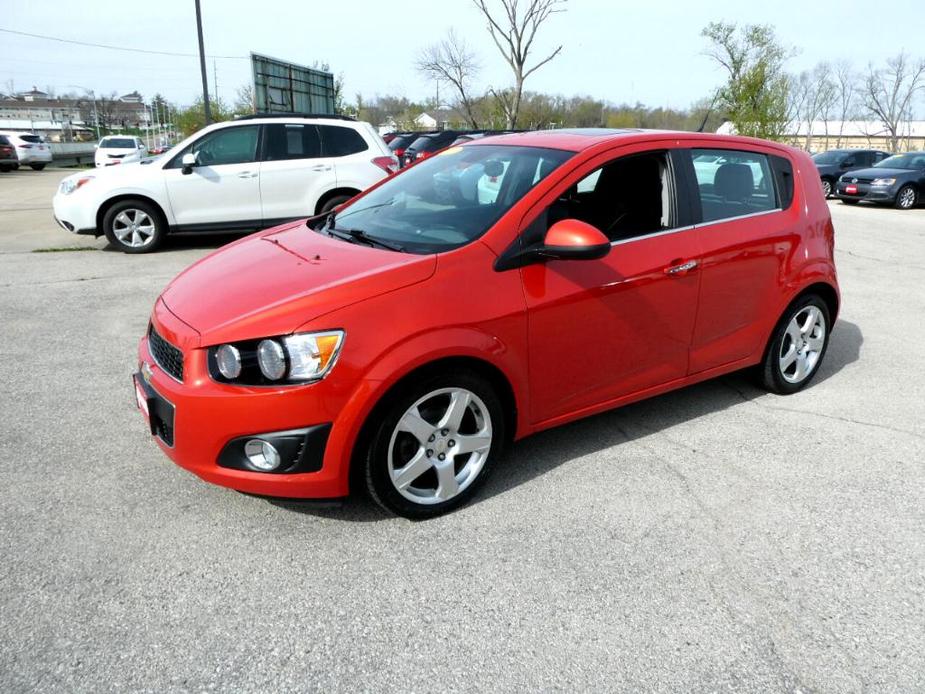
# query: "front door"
(603, 329)
(224, 188)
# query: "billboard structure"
(281, 87)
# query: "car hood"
(273, 282)
(877, 172)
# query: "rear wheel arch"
(334, 193)
(823, 290)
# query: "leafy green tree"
(756, 94)
(192, 118)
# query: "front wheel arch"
(104, 208)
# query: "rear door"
(294, 173)
(223, 191)
(351, 156)
(602, 329)
(745, 229)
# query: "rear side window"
(339, 142)
(783, 174)
(733, 183)
(30, 138)
(291, 141)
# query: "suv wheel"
(905, 198)
(37, 167)
(435, 445)
(134, 226)
(797, 346)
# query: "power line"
(117, 48)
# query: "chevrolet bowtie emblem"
(146, 372)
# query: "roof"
(578, 139)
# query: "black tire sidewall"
(772, 377)
(160, 225)
(376, 471)
(334, 202)
(37, 167)
(850, 202)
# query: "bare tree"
(815, 92)
(245, 99)
(452, 62)
(888, 92)
(513, 25)
(846, 86)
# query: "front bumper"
(73, 213)
(865, 191)
(209, 419)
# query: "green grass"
(64, 249)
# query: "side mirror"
(188, 161)
(569, 239)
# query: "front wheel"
(905, 198)
(37, 167)
(849, 202)
(827, 187)
(797, 346)
(435, 444)
(134, 226)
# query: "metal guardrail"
(70, 153)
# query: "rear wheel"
(905, 198)
(849, 202)
(37, 167)
(435, 444)
(797, 346)
(334, 202)
(134, 226)
(827, 187)
(5, 168)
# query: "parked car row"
(854, 175)
(413, 146)
(27, 150)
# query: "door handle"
(681, 269)
(247, 174)
(321, 167)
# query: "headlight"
(290, 359)
(883, 181)
(69, 185)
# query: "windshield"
(117, 143)
(450, 199)
(912, 160)
(828, 157)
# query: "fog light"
(261, 454)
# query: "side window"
(880, 156)
(733, 183)
(629, 197)
(283, 141)
(234, 145)
(339, 142)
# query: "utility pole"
(202, 67)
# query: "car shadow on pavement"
(542, 453)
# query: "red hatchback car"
(500, 288)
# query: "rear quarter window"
(339, 142)
(733, 183)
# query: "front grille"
(168, 357)
(865, 180)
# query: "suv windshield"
(450, 199)
(912, 160)
(117, 143)
(828, 157)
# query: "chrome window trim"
(694, 226)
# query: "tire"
(827, 188)
(797, 347)
(849, 202)
(37, 167)
(5, 168)
(334, 202)
(906, 198)
(440, 480)
(146, 237)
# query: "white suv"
(248, 174)
(31, 149)
(119, 149)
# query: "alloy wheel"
(906, 198)
(827, 188)
(133, 227)
(802, 344)
(439, 446)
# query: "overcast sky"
(619, 51)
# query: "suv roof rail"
(251, 116)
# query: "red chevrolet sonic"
(497, 289)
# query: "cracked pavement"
(713, 539)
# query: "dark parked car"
(898, 180)
(835, 162)
(401, 142)
(8, 158)
(429, 144)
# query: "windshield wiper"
(354, 235)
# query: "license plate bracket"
(156, 409)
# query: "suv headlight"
(69, 185)
(883, 181)
(290, 359)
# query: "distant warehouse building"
(850, 134)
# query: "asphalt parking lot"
(713, 539)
